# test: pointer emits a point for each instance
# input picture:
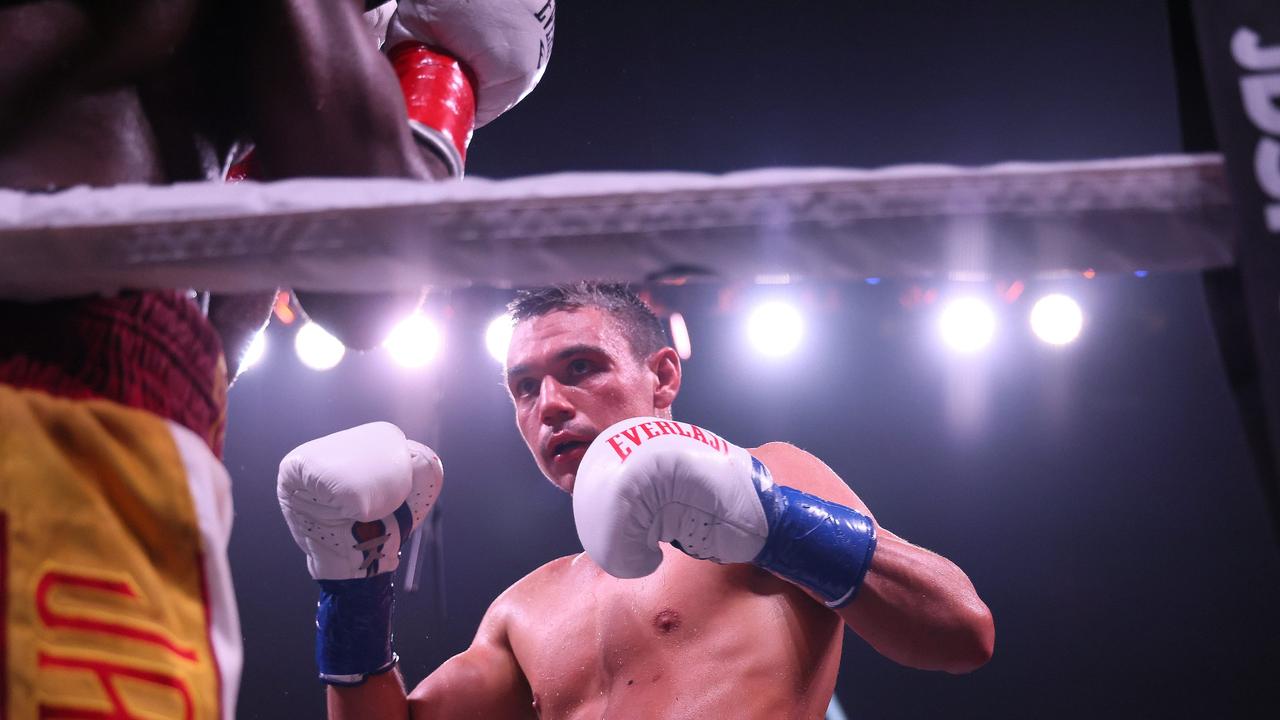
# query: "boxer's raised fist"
(504, 44)
(351, 498)
(645, 480)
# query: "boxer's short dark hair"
(643, 330)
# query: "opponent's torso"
(693, 640)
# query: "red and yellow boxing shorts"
(115, 592)
(114, 584)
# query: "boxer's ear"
(665, 366)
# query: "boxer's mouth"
(567, 447)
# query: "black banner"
(1239, 46)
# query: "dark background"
(1099, 495)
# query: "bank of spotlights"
(415, 341)
(497, 336)
(316, 348)
(775, 328)
(967, 325)
(1056, 319)
(257, 348)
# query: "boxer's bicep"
(483, 681)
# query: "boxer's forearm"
(917, 608)
(325, 101)
(381, 697)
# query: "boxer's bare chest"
(680, 638)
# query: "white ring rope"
(1165, 213)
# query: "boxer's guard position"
(716, 582)
(114, 510)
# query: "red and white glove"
(644, 481)
(462, 63)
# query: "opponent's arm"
(914, 606)
(454, 65)
(322, 101)
(647, 480)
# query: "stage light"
(415, 341)
(775, 328)
(497, 336)
(680, 336)
(967, 325)
(253, 353)
(1056, 319)
(316, 348)
(1140, 273)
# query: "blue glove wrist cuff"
(817, 544)
(353, 629)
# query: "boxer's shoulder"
(787, 462)
(543, 585)
(545, 598)
(802, 470)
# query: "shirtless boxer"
(755, 634)
(114, 510)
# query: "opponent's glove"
(645, 480)
(501, 49)
(351, 499)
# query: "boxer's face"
(572, 374)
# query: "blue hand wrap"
(353, 629)
(818, 544)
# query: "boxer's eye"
(526, 387)
(579, 367)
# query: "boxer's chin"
(565, 481)
(563, 468)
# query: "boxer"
(115, 511)
(716, 580)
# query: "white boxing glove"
(645, 480)
(351, 498)
(505, 44)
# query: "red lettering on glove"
(632, 436)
